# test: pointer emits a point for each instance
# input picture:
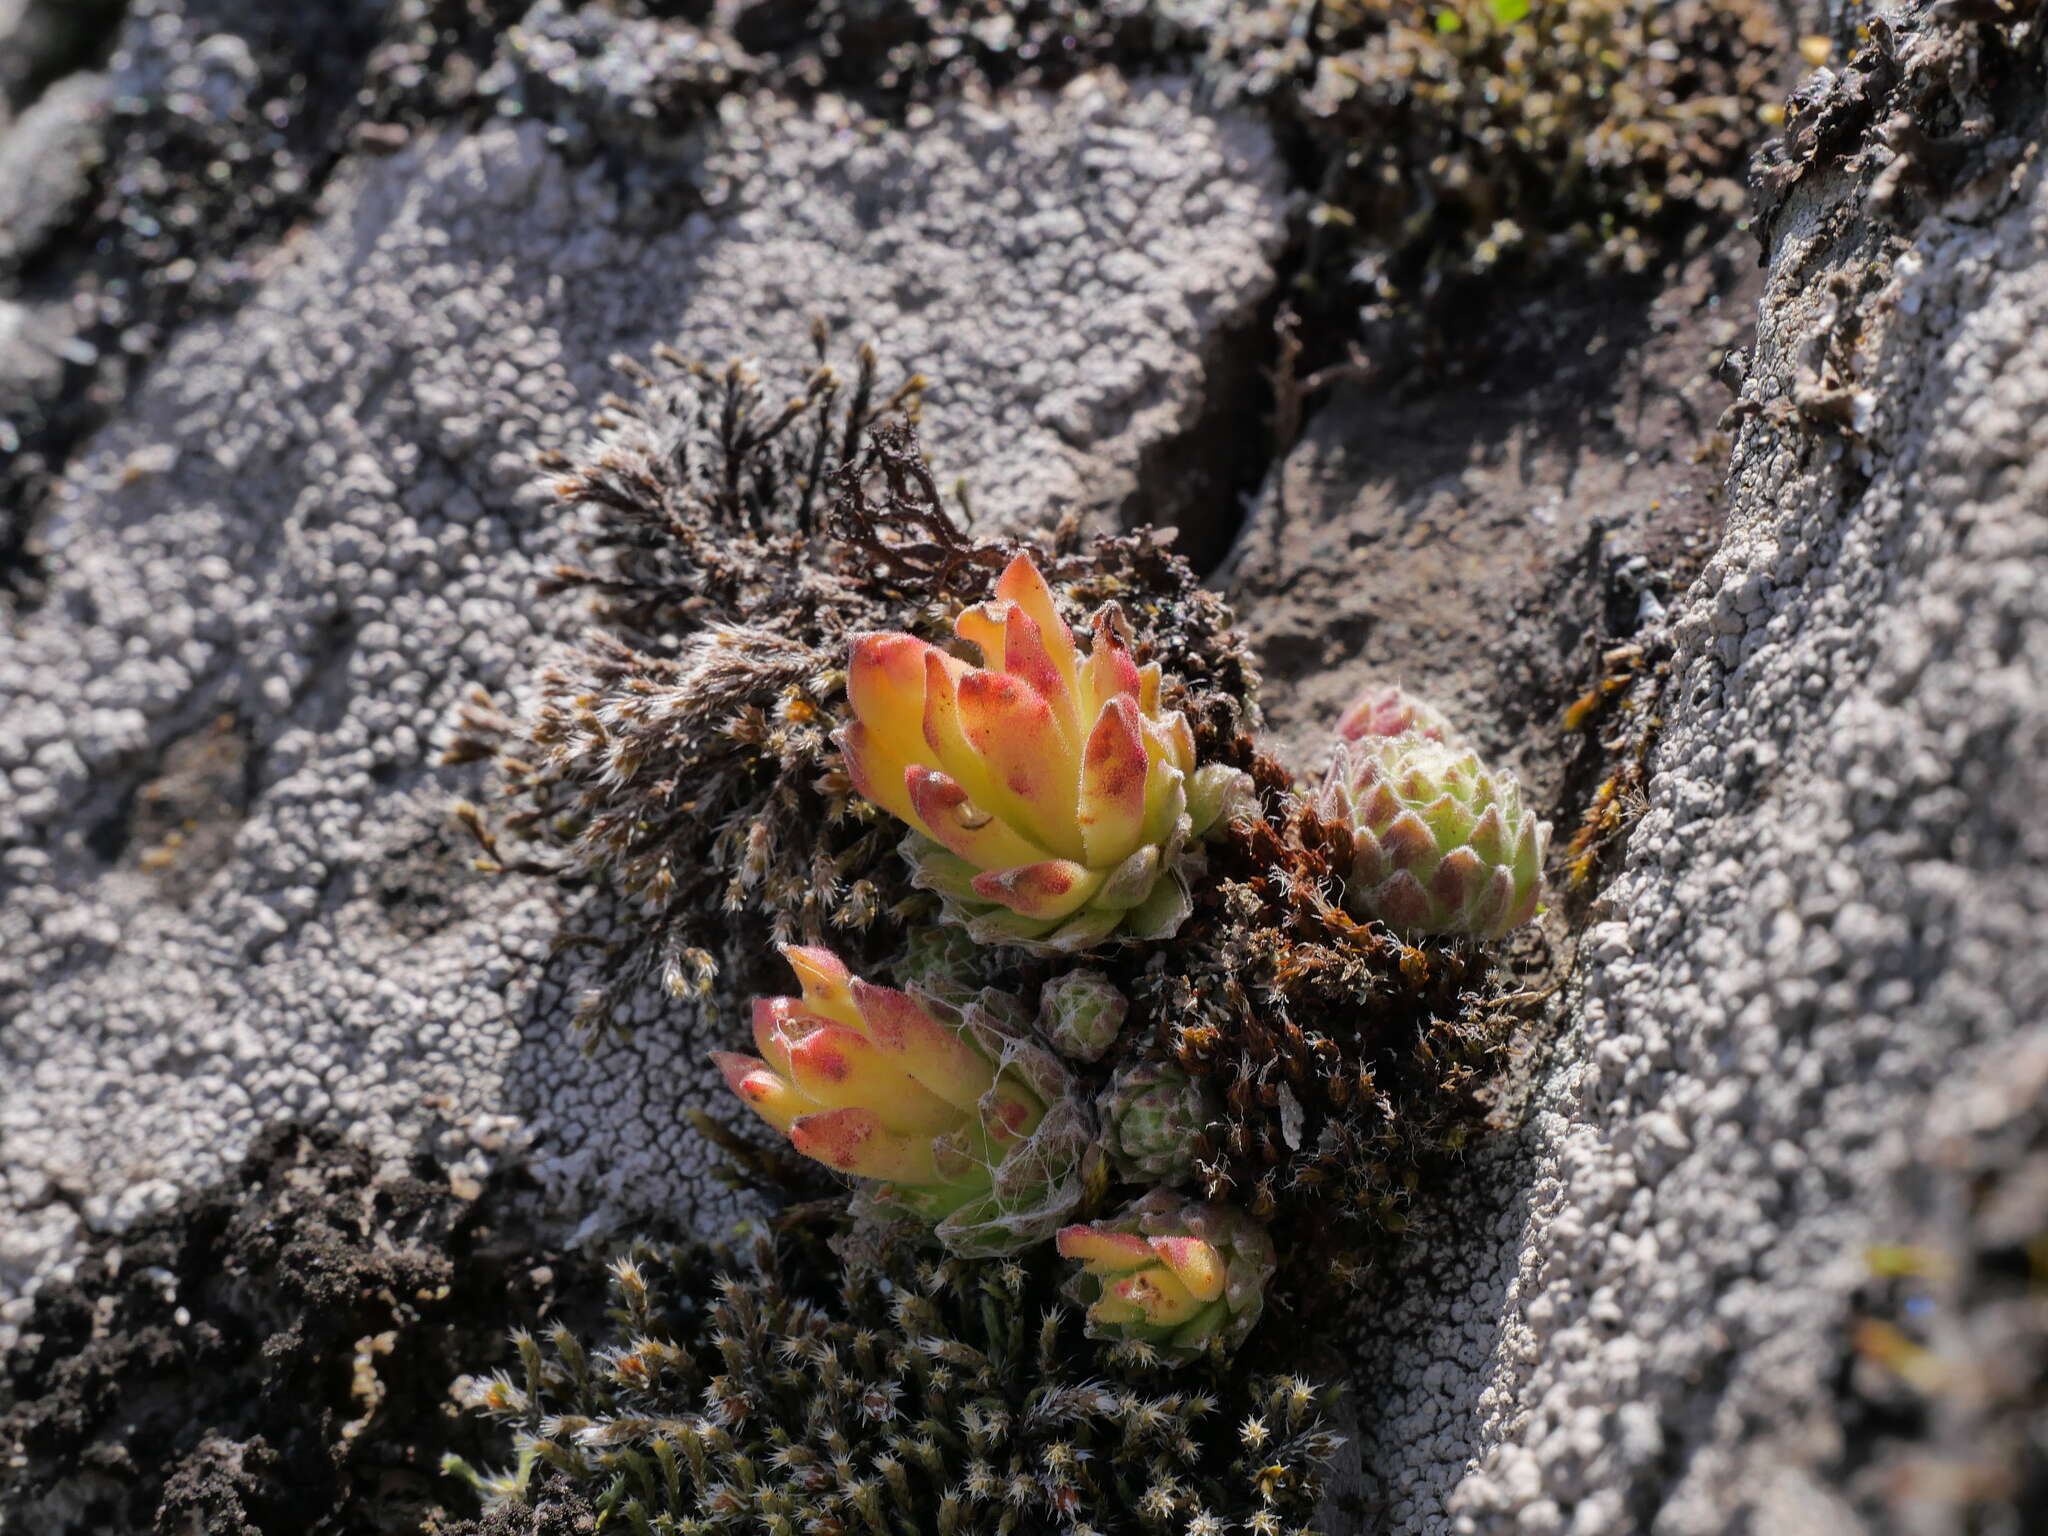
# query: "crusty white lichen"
(316, 518)
(1829, 915)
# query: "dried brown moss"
(1348, 1061)
(680, 757)
(681, 754)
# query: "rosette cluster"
(955, 1116)
(1053, 801)
(1186, 1277)
(1442, 844)
(1081, 1013)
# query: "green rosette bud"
(1186, 1277)
(1081, 1013)
(942, 960)
(1441, 843)
(1151, 1116)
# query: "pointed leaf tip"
(769, 1095)
(1196, 1264)
(1044, 892)
(1023, 584)
(772, 1028)
(824, 978)
(1110, 669)
(1113, 776)
(1104, 1253)
(936, 1056)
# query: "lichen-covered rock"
(316, 528)
(1680, 1235)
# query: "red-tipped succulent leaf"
(952, 1115)
(1052, 801)
(1185, 1277)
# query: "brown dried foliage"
(681, 757)
(681, 754)
(1346, 1059)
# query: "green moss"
(942, 1401)
(1464, 142)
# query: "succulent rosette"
(1187, 1277)
(943, 961)
(1052, 800)
(1442, 844)
(953, 1114)
(1391, 710)
(1151, 1116)
(1081, 1013)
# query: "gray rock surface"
(1827, 935)
(229, 891)
(34, 341)
(43, 40)
(46, 163)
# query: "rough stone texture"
(273, 1353)
(1829, 920)
(32, 347)
(1482, 543)
(228, 893)
(46, 163)
(41, 40)
(231, 893)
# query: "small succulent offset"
(1392, 711)
(1081, 1013)
(1053, 801)
(1442, 844)
(963, 1122)
(1186, 1278)
(1151, 1116)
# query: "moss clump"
(271, 1353)
(732, 540)
(681, 756)
(1464, 141)
(1347, 1061)
(939, 1402)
